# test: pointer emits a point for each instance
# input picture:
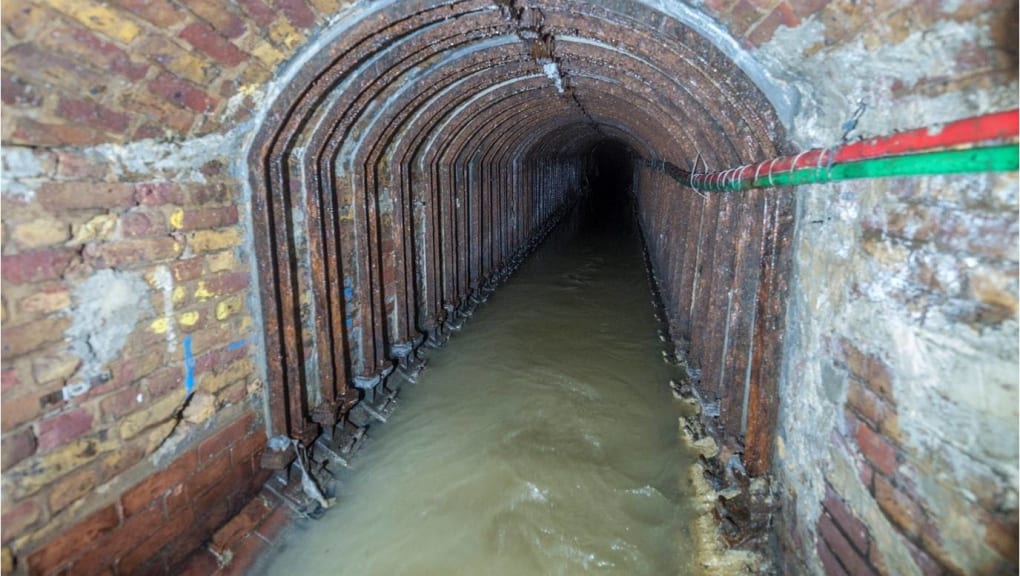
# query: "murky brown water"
(541, 440)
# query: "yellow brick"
(222, 261)
(201, 407)
(157, 413)
(267, 54)
(283, 34)
(33, 473)
(212, 240)
(229, 307)
(214, 382)
(154, 438)
(99, 18)
(98, 228)
(38, 233)
(47, 302)
(189, 318)
(329, 7)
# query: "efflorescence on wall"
(227, 219)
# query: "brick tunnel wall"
(132, 248)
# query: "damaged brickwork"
(225, 222)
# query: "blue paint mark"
(189, 366)
(236, 345)
(350, 322)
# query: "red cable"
(995, 126)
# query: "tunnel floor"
(542, 440)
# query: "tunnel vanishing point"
(231, 230)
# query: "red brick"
(16, 447)
(164, 381)
(899, 507)
(125, 253)
(877, 449)
(158, 193)
(58, 430)
(247, 447)
(201, 563)
(175, 552)
(187, 270)
(162, 13)
(92, 114)
(829, 562)
(19, 519)
(241, 525)
(155, 486)
(32, 133)
(220, 16)
(259, 12)
(74, 165)
(80, 538)
(870, 406)
(226, 437)
(71, 488)
(782, 15)
(274, 524)
(805, 8)
(297, 12)
(30, 337)
(869, 369)
(210, 194)
(60, 196)
(166, 534)
(246, 553)
(855, 530)
(81, 43)
(208, 218)
(18, 92)
(207, 40)
(19, 410)
(140, 224)
(209, 477)
(219, 357)
(927, 564)
(182, 93)
(743, 15)
(176, 500)
(36, 266)
(228, 282)
(121, 402)
(850, 559)
(9, 380)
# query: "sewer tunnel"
(233, 231)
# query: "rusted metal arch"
(495, 169)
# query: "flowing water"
(542, 440)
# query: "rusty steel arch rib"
(410, 161)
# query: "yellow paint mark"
(248, 89)
(203, 293)
(99, 18)
(177, 219)
(178, 295)
(228, 308)
(160, 325)
(189, 318)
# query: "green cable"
(1004, 158)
